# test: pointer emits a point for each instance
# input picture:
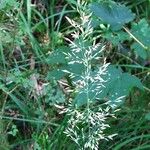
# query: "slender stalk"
(29, 120)
(128, 31)
(29, 12)
(87, 94)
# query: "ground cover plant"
(74, 74)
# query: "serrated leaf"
(117, 37)
(141, 31)
(55, 74)
(112, 13)
(119, 84)
(58, 56)
(75, 68)
(139, 50)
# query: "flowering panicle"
(86, 123)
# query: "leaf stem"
(128, 31)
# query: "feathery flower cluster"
(86, 122)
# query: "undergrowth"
(74, 74)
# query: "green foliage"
(61, 83)
(3, 136)
(111, 13)
(147, 116)
(53, 95)
(13, 131)
(118, 84)
(116, 37)
(41, 141)
(85, 124)
(5, 36)
(57, 56)
(141, 31)
(117, 16)
(6, 4)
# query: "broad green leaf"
(112, 13)
(61, 72)
(56, 74)
(76, 68)
(58, 56)
(139, 50)
(116, 37)
(119, 84)
(81, 97)
(141, 31)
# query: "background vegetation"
(48, 99)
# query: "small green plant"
(13, 131)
